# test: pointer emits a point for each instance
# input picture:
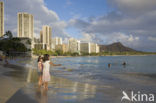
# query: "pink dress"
(46, 71)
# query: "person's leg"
(45, 83)
(47, 86)
(40, 81)
(41, 78)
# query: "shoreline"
(34, 56)
(12, 84)
(22, 79)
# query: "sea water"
(96, 70)
(94, 80)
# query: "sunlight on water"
(87, 78)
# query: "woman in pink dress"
(40, 70)
(46, 70)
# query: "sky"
(131, 22)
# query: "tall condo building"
(89, 48)
(1, 19)
(56, 41)
(85, 47)
(94, 48)
(74, 45)
(45, 36)
(63, 47)
(25, 25)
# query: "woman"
(46, 70)
(40, 70)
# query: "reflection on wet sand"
(41, 95)
(63, 88)
(60, 90)
(32, 76)
(20, 83)
(73, 90)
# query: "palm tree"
(8, 34)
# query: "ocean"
(96, 68)
(90, 79)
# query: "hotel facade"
(1, 19)
(25, 25)
(45, 37)
(85, 47)
(89, 48)
(74, 45)
(56, 41)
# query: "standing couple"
(44, 70)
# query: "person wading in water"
(46, 70)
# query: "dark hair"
(46, 57)
(39, 58)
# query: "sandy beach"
(80, 80)
(8, 86)
(19, 85)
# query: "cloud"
(42, 16)
(78, 23)
(152, 38)
(116, 22)
(118, 37)
(131, 22)
(87, 37)
(136, 7)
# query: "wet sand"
(19, 85)
(8, 86)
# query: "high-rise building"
(1, 19)
(85, 47)
(94, 48)
(56, 41)
(97, 49)
(89, 48)
(45, 36)
(74, 45)
(25, 25)
(63, 47)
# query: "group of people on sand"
(44, 64)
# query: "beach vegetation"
(12, 45)
(8, 34)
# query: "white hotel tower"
(25, 25)
(1, 19)
(45, 36)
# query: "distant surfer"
(124, 64)
(109, 65)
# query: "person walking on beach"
(40, 70)
(46, 70)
